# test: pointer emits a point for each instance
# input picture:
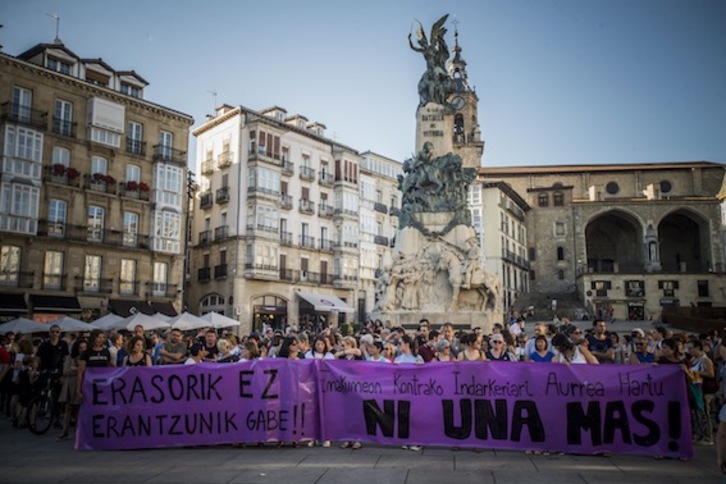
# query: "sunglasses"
(496, 342)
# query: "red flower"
(110, 180)
(143, 187)
(73, 173)
(59, 169)
(132, 186)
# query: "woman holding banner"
(472, 348)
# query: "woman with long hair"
(68, 394)
(137, 355)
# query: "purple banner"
(586, 409)
(636, 409)
(204, 404)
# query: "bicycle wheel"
(40, 415)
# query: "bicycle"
(44, 408)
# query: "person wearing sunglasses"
(498, 350)
(641, 353)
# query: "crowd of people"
(27, 361)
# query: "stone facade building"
(628, 239)
(277, 229)
(92, 189)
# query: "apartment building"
(92, 189)
(276, 228)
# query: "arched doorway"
(684, 242)
(614, 243)
(212, 303)
(269, 310)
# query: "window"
(133, 173)
(213, 302)
(612, 188)
(92, 274)
(601, 288)
(665, 186)
(22, 104)
(99, 165)
(532, 254)
(132, 91)
(23, 152)
(95, 223)
(168, 185)
(703, 290)
(561, 275)
(167, 232)
(161, 272)
(58, 65)
(131, 229)
(635, 288)
(61, 156)
(543, 200)
(560, 253)
(127, 277)
(19, 208)
(558, 199)
(57, 217)
(53, 270)
(9, 265)
(134, 138)
(264, 179)
(166, 141)
(267, 218)
(668, 287)
(63, 118)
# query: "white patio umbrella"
(188, 321)
(23, 325)
(109, 321)
(219, 320)
(147, 322)
(72, 325)
(161, 317)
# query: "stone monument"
(436, 271)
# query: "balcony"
(307, 173)
(61, 175)
(262, 155)
(345, 211)
(207, 167)
(380, 240)
(16, 113)
(286, 238)
(289, 275)
(395, 211)
(135, 147)
(307, 242)
(206, 200)
(326, 244)
(263, 193)
(306, 206)
(220, 271)
(133, 189)
(326, 179)
(83, 233)
(54, 282)
(311, 277)
(128, 288)
(221, 233)
(99, 182)
(93, 286)
(224, 159)
(19, 279)
(161, 289)
(222, 195)
(288, 168)
(205, 237)
(380, 207)
(167, 154)
(64, 127)
(204, 274)
(286, 202)
(325, 211)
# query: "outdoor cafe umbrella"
(23, 325)
(161, 317)
(109, 321)
(72, 325)
(187, 321)
(147, 322)
(219, 320)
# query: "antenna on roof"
(56, 17)
(214, 94)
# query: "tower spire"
(457, 65)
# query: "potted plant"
(98, 178)
(73, 173)
(132, 186)
(59, 169)
(143, 187)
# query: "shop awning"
(165, 308)
(129, 307)
(54, 304)
(326, 302)
(12, 303)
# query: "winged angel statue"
(435, 84)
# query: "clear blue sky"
(559, 82)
